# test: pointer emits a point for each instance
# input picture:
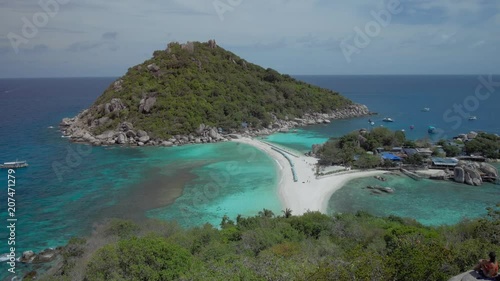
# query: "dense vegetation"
(195, 83)
(355, 148)
(313, 246)
(486, 144)
(344, 149)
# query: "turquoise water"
(235, 179)
(69, 187)
(429, 202)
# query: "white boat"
(13, 165)
(472, 118)
(426, 109)
(388, 119)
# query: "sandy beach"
(308, 193)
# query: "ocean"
(69, 187)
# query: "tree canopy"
(197, 83)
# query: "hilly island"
(200, 93)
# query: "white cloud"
(292, 36)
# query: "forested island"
(198, 93)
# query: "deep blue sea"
(69, 187)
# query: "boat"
(426, 109)
(431, 130)
(472, 118)
(372, 123)
(412, 127)
(388, 119)
(13, 165)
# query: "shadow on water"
(158, 189)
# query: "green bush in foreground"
(149, 258)
(313, 246)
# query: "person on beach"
(488, 268)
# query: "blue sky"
(74, 38)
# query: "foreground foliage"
(313, 246)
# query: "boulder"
(167, 144)
(147, 104)
(117, 85)
(131, 134)
(472, 135)
(66, 122)
(126, 126)
(144, 139)
(472, 176)
(459, 175)
(489, 170)
(121, 139)
(234, 136)
(27, 257)
(46, 255)
(200, 129)
(114, 105)
(214, 134)
(275, 126)
(153, 67)
(103, 120)
(140, 144)
(141, 133)
(212, 44)
(106, 135)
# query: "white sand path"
(308, 193)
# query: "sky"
(90, 38)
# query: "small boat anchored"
(426, 109)
(14, 165)
(388, 119)
(471, 118)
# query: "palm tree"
(287, 213)
(265, 213)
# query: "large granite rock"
(106, 135)
(27, 257)
(141, 133)
(147, 104)
(459, 175)
(472, 176)
(126, 126)
(121, 139)
(115, 105)
(144, 139)
(489, 170)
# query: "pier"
(411, 174)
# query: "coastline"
(308, 193)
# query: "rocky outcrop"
(153, 67)
(80, 128)
(459, 175)
(473, 173)
(147, 104)
(489, 170)
(44, 256)
(115, 105)
(212, 44)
